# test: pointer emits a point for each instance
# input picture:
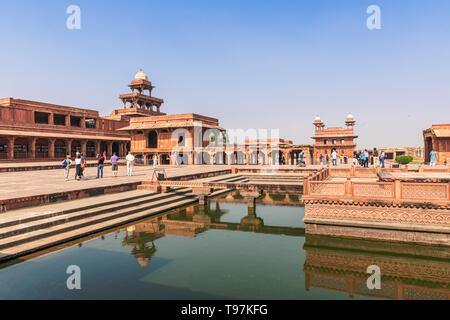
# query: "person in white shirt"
(130, 164)
(334, 157)
(155, 161)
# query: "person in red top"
(104, 154)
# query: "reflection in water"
(408, 271)
(191, 253)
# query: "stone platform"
(31, 188)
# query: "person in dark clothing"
(100, 164)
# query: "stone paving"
(29, 183)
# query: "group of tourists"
(364, 158)
(80, 165)
(334, 158)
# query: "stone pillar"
(109, 152)
(11, 148)
(68, 146)
(84, 147)
(247, 158)
(145, 157)
(68, 120)
(97, 147)
(32, 151)
(51, 119)
(83, 124)
(51, 148)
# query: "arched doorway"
(90, 149)
(76, 147)
(253, 157)
(60, 149)
(219, 158)
(21, 148)
(41, 148)
(206, 159)
(3, 148)
(152, 141)
(240, 157)
(115, 148)
(164, 159)
(104, 148)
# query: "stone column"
(33, 148)
(109, 152)
(83, 123)
(51, 148)
(11, 148)
(97, 147)
(68, 146)
(68, 120)
(84, 147)
(247, 158)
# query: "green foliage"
(403, 159)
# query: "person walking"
(155, 160)
(175, 158)
(104, 154)
(83, 163)
(362, 161)
(328, 159)
(366, 158)
(66, 165)
(78, 170)
(375, 158)
(130, 164)
(321, 159)
(115, 164)
(382, 156)
(433, 158)
(334, 157)
(100, 165)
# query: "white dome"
(141, 76)
(317, 119)
(350, 116)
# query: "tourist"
(334, 157)
(321, 159)
(67, 164)
(366, 158)
(375, 158)
(100, 164)
(104, 154)
(328, 159)
(130, 164)
(362, 161)
(175, 158)
(382, 157)
(155, 161)
(433, 158)
(78, 170)
(83, 163)
(115, 164)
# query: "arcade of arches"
(23, 148)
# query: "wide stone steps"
(92, 217)
(61, 217)
(52, 236)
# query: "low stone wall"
(398, 208)
(17, 203)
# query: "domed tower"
(140, 101)
(350, 122)
(318, 123)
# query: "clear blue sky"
(250, 63)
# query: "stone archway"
(164, 159)
(206, 159)
(42, 148)
(4, 143)
(152, 140)
(21, 148)
(76, 147)
(115, 148)
(90, 149)
(60, 149)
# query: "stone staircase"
(23, 231)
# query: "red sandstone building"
(437, 138)
(327, 139)
(35, 130)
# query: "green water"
(223, 251)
